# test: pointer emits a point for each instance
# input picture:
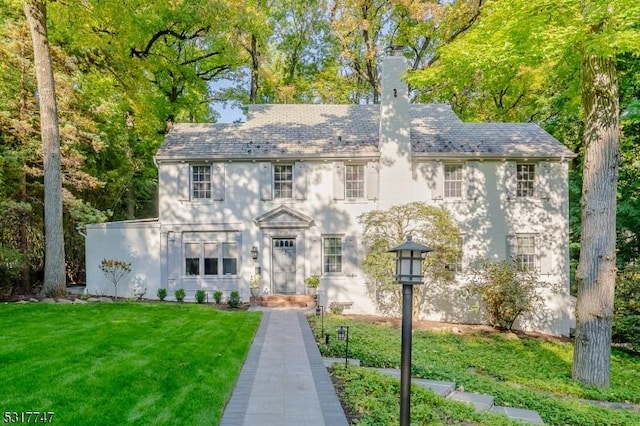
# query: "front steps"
(448, 390)
(284, 301)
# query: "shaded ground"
(463, 329)
(456, 327)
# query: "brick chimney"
(395, 131)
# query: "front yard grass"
(122, 363)
(518, 371)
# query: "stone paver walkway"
(284, 380)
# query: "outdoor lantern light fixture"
(343, 334)
(409, 257)
(254, 253)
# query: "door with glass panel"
(284, 265)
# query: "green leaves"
(505, 290)
(384, 229)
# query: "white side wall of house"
(489, 214)
(137, 242)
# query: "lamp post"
(409, 257)
(343, 334)
(320, 313)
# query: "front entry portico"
(283, 246)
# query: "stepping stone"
(65, 301)
(93, 299)
(22, 302)
(437, 386)
(47, 300)
(480, 402)
(33, 299)
(328, 362)
(106, 299)
(526, 416)
(79, 302)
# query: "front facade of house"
(280, 195)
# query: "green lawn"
(519, 372)
(122, 363)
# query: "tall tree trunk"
(255, 70)
(54, 267)
(596, 272)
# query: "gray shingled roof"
(490, 139)
(351, 130)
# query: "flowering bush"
(255, 281)
(137, 290)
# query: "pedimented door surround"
(283, 242)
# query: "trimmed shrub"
(234, 299)
(180, 294)
(162, 293)
(200, 296)
(217, 297)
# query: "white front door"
(284, 265)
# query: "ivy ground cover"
(519, 371)
(121, 363)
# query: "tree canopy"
(124, 72)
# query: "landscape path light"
(320, 313)
(409, 258)
(343, 334)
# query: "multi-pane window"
(332, 255)
(453, 181)
(526, 251)
(525, 179)
(210, 259)
(229, 259)
(192, 259)
(283, 181)
(456, 264)
(205, 258)
(200, 182)
(354, 181)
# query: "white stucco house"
(290, 182)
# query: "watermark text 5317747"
(27, 417)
